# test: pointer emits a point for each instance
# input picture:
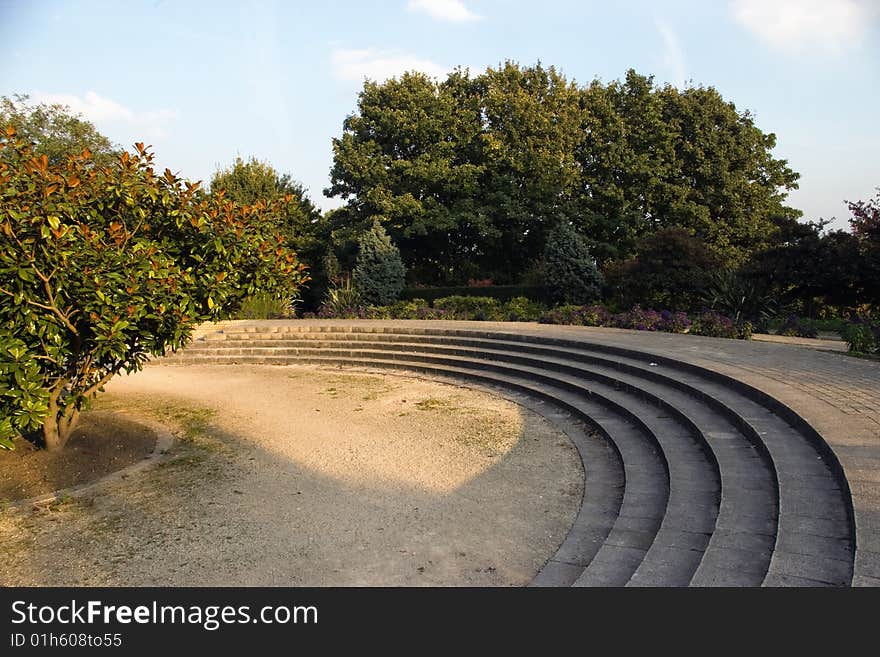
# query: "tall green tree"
(463, 173)
(626, 155)
(253, 180)
(380, 273)
(248, 181)
(865, 225)
(55, 131)
(570, 269)
(531, 128)
(409, 158)
(655, 157)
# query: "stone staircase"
(691, 477)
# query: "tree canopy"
(465, 172)
(55, 131)
(248, 182)
(379, 274)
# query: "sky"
(205, 82)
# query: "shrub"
(674, 322)
(715, 325)
(637, 319)
(740, 298)
(795, 326)
(102, 267)
(500, 292)
(568, 314)
(379, 273)
(472, 308)
(862, 335)
(570, 270)
(670, 270)
(342, 301)
(266, 306)
(412, 309)
(521, 309)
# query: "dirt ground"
(297, 476)
(102, 443)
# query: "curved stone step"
(645, 476)
(813, 534)
(749, 484)
(674, 553)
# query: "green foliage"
(865, 224)
(740, 298)
(379, 273)
(473, 308)
(252, 181)
(572, 314)
(671, 269)
(659, 156)
(862, 335)
(522, 309)
(412, 309)
(500, 292)
(715, 325)
(54, 131)
(24, 402)
(465, 173)
(800, 327)
(103, 267)
(815, 269)
(266, 306)
(569, 269)
(343, 300)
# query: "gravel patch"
(298, 476)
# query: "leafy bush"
(379, 273)
(102, 267)
(500, 292)
(570, 270)
(472, 308)
(342, 301)
(569, 314)
(637, 319)
(266, 306)
(670, 270)
(715, 325)
(415, 309)
(521, 309)
(862, 335)
(641, 319)
(740, 298)
(645, 319)
(800, 327)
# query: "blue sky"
(206, 81)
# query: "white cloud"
(452, 11)
(379, 65)
(103, 111)
(798, 25)
(673, 56)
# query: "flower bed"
(521, 309)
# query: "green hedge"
(500, 292)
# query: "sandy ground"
(296, 476)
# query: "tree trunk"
(59, 424)
(51, 434)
